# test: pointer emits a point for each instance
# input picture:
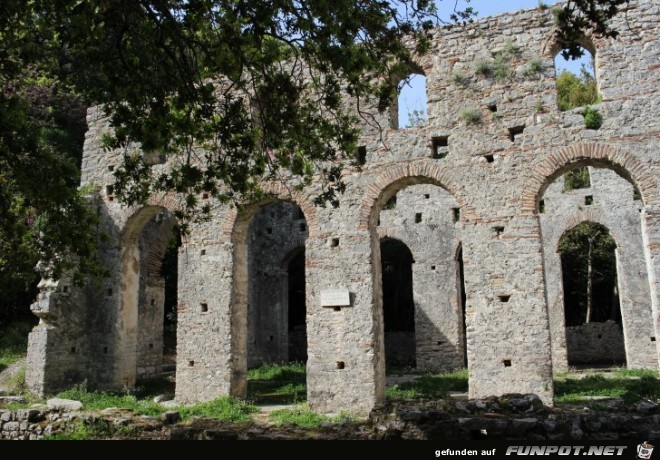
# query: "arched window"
(576, 80)
(411, 101)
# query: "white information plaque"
(335, 298)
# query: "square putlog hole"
(515, 132)
(361, 155)
(588, 200)
(340, 365)
(489, 158)
(439, 147)
(203, 307)
(506, 362)
(504, 298)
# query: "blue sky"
(413, 98)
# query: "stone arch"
(235, 229)
(599, 155)
(389, 180)
(127, 319)
(274, 192)
(586, 216)
(551, 46)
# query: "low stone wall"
(595, 343)
(509, 417)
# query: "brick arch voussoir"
(406, 174)
(274, 192)
(620, 160)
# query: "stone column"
(508, 330)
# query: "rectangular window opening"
(515, 131)
(361, 155)
(439, 147)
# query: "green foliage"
(483, 67)
(301, 415)
(577, 178)
(99, 400)
(223, 408)
(434, 386)
(277, 383)
(13, 341)
(642, 385)
(576, 91)
(470, 115)
(585, 244)
(180, 76)
(533, 66)
(458, 77)
(83, 430)
(592, 118)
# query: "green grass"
(277, 384)
(82, 431)
(630, 385)
(141, 402)
(301, 415)
(430, 386)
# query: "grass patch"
(434, 386)
(224, 408)
(82, 431)
(141, 402)
(278, 384)
(301, 415)
(630, 385)
(138, 401)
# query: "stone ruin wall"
(492, 172)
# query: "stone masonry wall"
(494, 172)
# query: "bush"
(470, 115)
(592, 118)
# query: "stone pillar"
(555, 297)
(651, 236)
(57, 346)
(346, 359)
(207, 324)
(508, 330)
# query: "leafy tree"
(576, 91)
(589, 274)
(577, 178)
(234, 91)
